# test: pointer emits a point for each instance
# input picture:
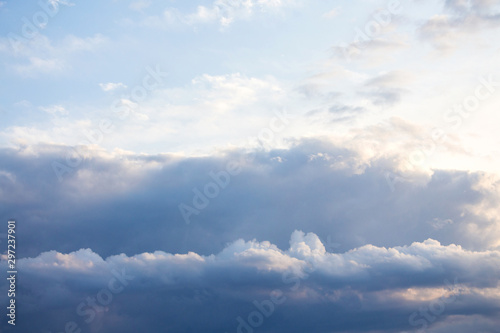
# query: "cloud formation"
(40, 55)
(209, 166)
(306, 283)
(459, 20)
(364, 198)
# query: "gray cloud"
(386, 89)
(459, 20)
(130, 203)
(375, 49)
(359, 289)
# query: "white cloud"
(420, 260)
(227, 11)
(55, 109)
(223, 12)
(24, 104)
(332, 13)
(223, 108)
(110, 86)
(38, 65)
(42, 55)
(60, 2)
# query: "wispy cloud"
(459, 20)
(54, 109)
(110, 86)
(42, 55)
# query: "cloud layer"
(293, 289)
(74, 198)
(252, 165)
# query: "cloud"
(40, 55)
(231, 108)
(366, 197)
(332, 13)
(343, 109)
(221, 12)
(55, 109)
(337, 113)
(60, 2)
(38, 65)
(110, 86)
(140, 5)
(460, 20)
(329, 216)
(226, 12)
(377, 40)
(386, 89)
(375, 49)
(357, 286)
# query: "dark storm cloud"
(130, 203)
(365, 289)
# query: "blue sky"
(224, 53)
(336, 161)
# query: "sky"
(251, 166)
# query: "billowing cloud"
(84, 194)
(234, 176)
(301, 284)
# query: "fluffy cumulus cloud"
(252, 285)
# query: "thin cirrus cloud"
(40, 55)
(54, 109)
